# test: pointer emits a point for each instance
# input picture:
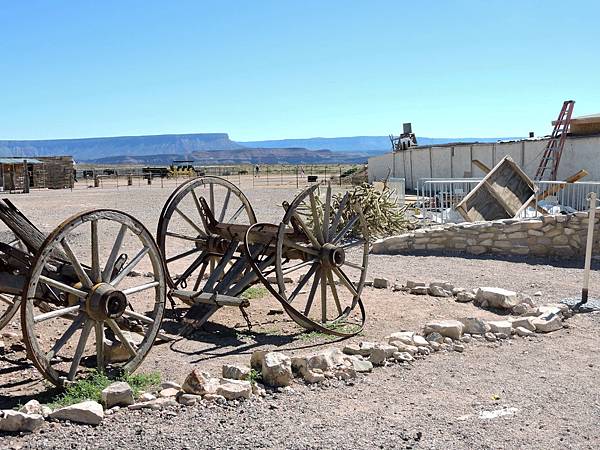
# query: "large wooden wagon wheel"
(9, 304)
(92, 294)
(330, 276)
(190, 252)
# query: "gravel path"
(550, 381)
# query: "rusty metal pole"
(589, 247)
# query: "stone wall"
(554, 235)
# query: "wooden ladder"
(554, 148)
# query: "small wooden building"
(43, 172)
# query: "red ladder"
(554, 148)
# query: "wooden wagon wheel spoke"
(95, 253)
(79, 270)
(59, 344)
(236, 214)
(56, 313)
(326, 213)
(129, 267)
(225, 205)
(317, 226)
(313, 291)
(182, 236)
(303, 282)
(346, 229)
(309, 233)
(356, 243)
(63, 287)
(99, 332)
(338, 215)
(96, 306)
(183, 255)
(6, 299)
(334, 292)
(114, 254)
(85, 332)
(185, 217)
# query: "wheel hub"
(105, 302)
(332, 255)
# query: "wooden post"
(589, 247)
(129, 180)
(25, 178)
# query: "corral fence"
(245, 176)
(437, 198)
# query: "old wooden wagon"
(101, 273)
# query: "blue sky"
(285, 69)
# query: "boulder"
(16, 421)
(200, 383)
(361, 365)
(448, 287)
(497, 297)
(170, 384)
(168, 392)
(88, 412)
(465, 297)
(300, 365)
(547, 324)
(117, 393)
(500, 327)
(419, 290)
(473, 325)
(34, 407)
(402, 347)
(189, 399)
(381, 352)
(435, 337)
(275, 367)
(420, 341)
(236, 371)
(523, 322)
(234, 389)
(406, 337)
(523, 332)
(410, 284)
(449, 328)
(438, 291)
(380, 283)
(403, 357)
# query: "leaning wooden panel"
(504, 192)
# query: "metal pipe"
(589, 247)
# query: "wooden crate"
(504, 193)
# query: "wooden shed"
(48, 172)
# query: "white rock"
(524, 322)
(402, 347)
(497, 297)
(405, 337)
(16, 421)
(361, 365)
(419, 290)
(434, 337)
(200, 383)
(459, 348)
(523, 332)
(381, 352)
(437, 291)
(34, 407)
(420, 341)
(403, 357)
(424, 350)
(435, 346)
(300, 365)
(442, 284)
(448, 341)
(490, 337)
(117, 393)
(473, 325)
(275, 367)
(465, 297)
(234, 389)
(500, 326)
(88, 412)
(449, 328)
(413, 284)
(214, 398)
(146, 397)
(380, 283)
(235, 371)
(168, 392)
(189, 399)
(547, 324)
(156, 404)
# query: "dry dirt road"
(545, 387)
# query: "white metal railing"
(437, 197)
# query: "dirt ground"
(548, 384)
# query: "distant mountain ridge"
(93, 148)
(358, 143)
(213, 148)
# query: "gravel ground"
(550, 381)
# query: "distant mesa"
(212, 148)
